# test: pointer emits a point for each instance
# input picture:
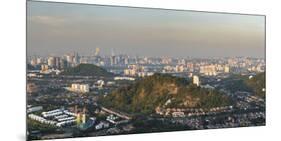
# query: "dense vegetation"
(257, 84)
(253, 85)
(30, 67)
(35, 125)
(86, 70)
(155, 91)
(235, 83)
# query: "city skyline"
(141, 31)
(94, 70)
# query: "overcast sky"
(60, 28)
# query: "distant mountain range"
(87, 70)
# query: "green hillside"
(257, 83)
(86, 70)
(153, 91)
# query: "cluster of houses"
(116, 120)
(187, 112)
(41, 119)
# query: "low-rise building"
(102, 125)
(34, 109)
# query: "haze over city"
(58, 28)
(97, 70)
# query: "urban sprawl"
(62, 105)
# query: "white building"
(124, 78)
(143, 74)
(208, 70)
(130, 72)
(100, 83)
(178, 114)
(83, 118)
(102, 125)
(51, 61)
(82, 88)
(226, 69)
(196, 80)
(34, 109)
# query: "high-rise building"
(113, 60)
(57, 63)
(51, 61)
(82, 88)
(33, 62)
(166, 61)
(209, 70)
(226, 69)
(72, 59)
(190, 67)
(69, 58)
(44, 67)
(39, 60)
(126, 60)
(54, 62)
(63, 63)
(179, 68)
(196, 80)
(76, 59)
(130, 72)
(181, 62)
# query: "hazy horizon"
(60, 28)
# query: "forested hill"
(87, 70)
(257, 84)
(154, 91)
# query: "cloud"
(48, 20)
